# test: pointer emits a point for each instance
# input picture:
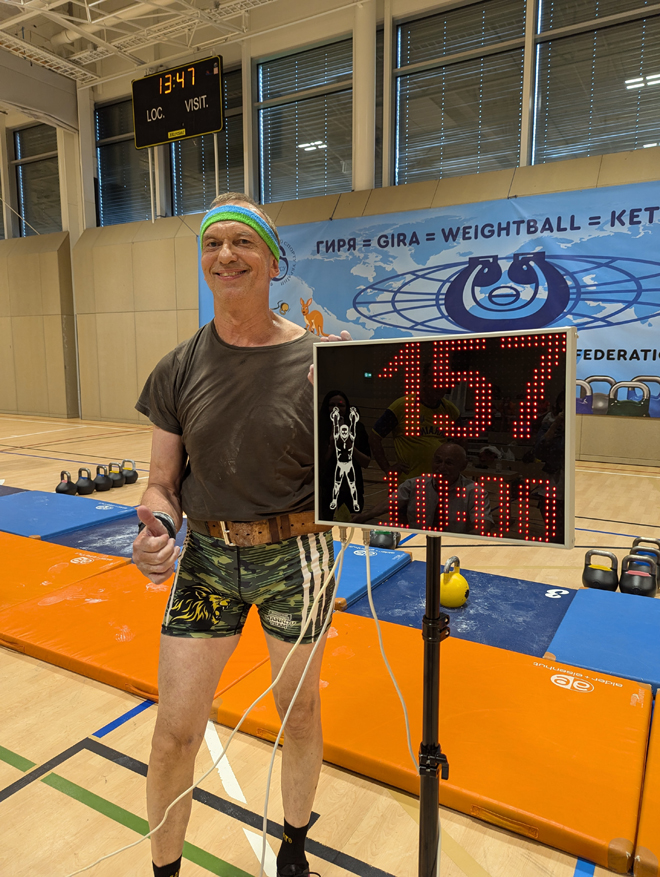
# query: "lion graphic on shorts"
(198, 603)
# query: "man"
(414, 454)
(444, 500)
(233, 449)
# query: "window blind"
(324, 65)
(559, 13)
(123, 170)
(460, 119)
(37, 180)
(459, 30)
(598, 92)
(305, 146)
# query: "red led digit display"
(464, 435)
(407, 363)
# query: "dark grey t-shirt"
(247, 421)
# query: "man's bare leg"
(302, 751)
(188, 675)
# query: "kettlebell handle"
(63, 473)
(639, 539)
(636, 558)
(84, 469)
(634, 385)
(600, 553)
(583, 385)
(453, 561)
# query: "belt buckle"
(225, 534)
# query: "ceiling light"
(648, 145)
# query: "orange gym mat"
(32, 568)
(550, 752)
(647, 851)
(108, 628)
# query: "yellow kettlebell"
(454, 589)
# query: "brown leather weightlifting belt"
(244, 534)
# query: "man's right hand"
(154, 552)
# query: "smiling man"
(232, 447)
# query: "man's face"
(448, 462)
(236, 260)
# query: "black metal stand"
(432, 762)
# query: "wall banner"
(589, 259)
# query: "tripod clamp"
(434, 630)
(432, 761)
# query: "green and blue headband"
(233, 213)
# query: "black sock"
(292, 851)
(171, 870)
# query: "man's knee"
(175, 742)
(304, 717)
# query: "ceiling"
(71, 37)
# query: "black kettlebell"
(84, 484)
(384, 539)
(102, 481)
(643, 551)
(638, 581)
(644, 542)
(114, 474)
(596, 575)
(66, 485)
(129, 472)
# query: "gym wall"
(37, 327)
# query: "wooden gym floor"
(92, 741)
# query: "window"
(37, 180)
(458, 91)
(193, 161)
(305, 123)
(123, 170)
(597, 91)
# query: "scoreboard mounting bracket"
(179, 103)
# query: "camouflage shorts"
(215, 586)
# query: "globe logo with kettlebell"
(490, 294)
(521, 291)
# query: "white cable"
(345, 539)
(366, 536)
(231, 736)
(367, 539)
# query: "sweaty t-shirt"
(246, 417)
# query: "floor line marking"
(38, 772)
(607, 533)
(135, 711)
(225, 772)
(584, 868)
(247, 817)
(256, 842)
(139, 825)
(459, 856)
(234, 811)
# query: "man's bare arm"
(154, 551)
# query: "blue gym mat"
(611, 633)
(115, 537)
(507, 613)
(353, 581)
(5, 490)
(34, 513)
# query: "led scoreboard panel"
(179, 103)
(467, 435)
